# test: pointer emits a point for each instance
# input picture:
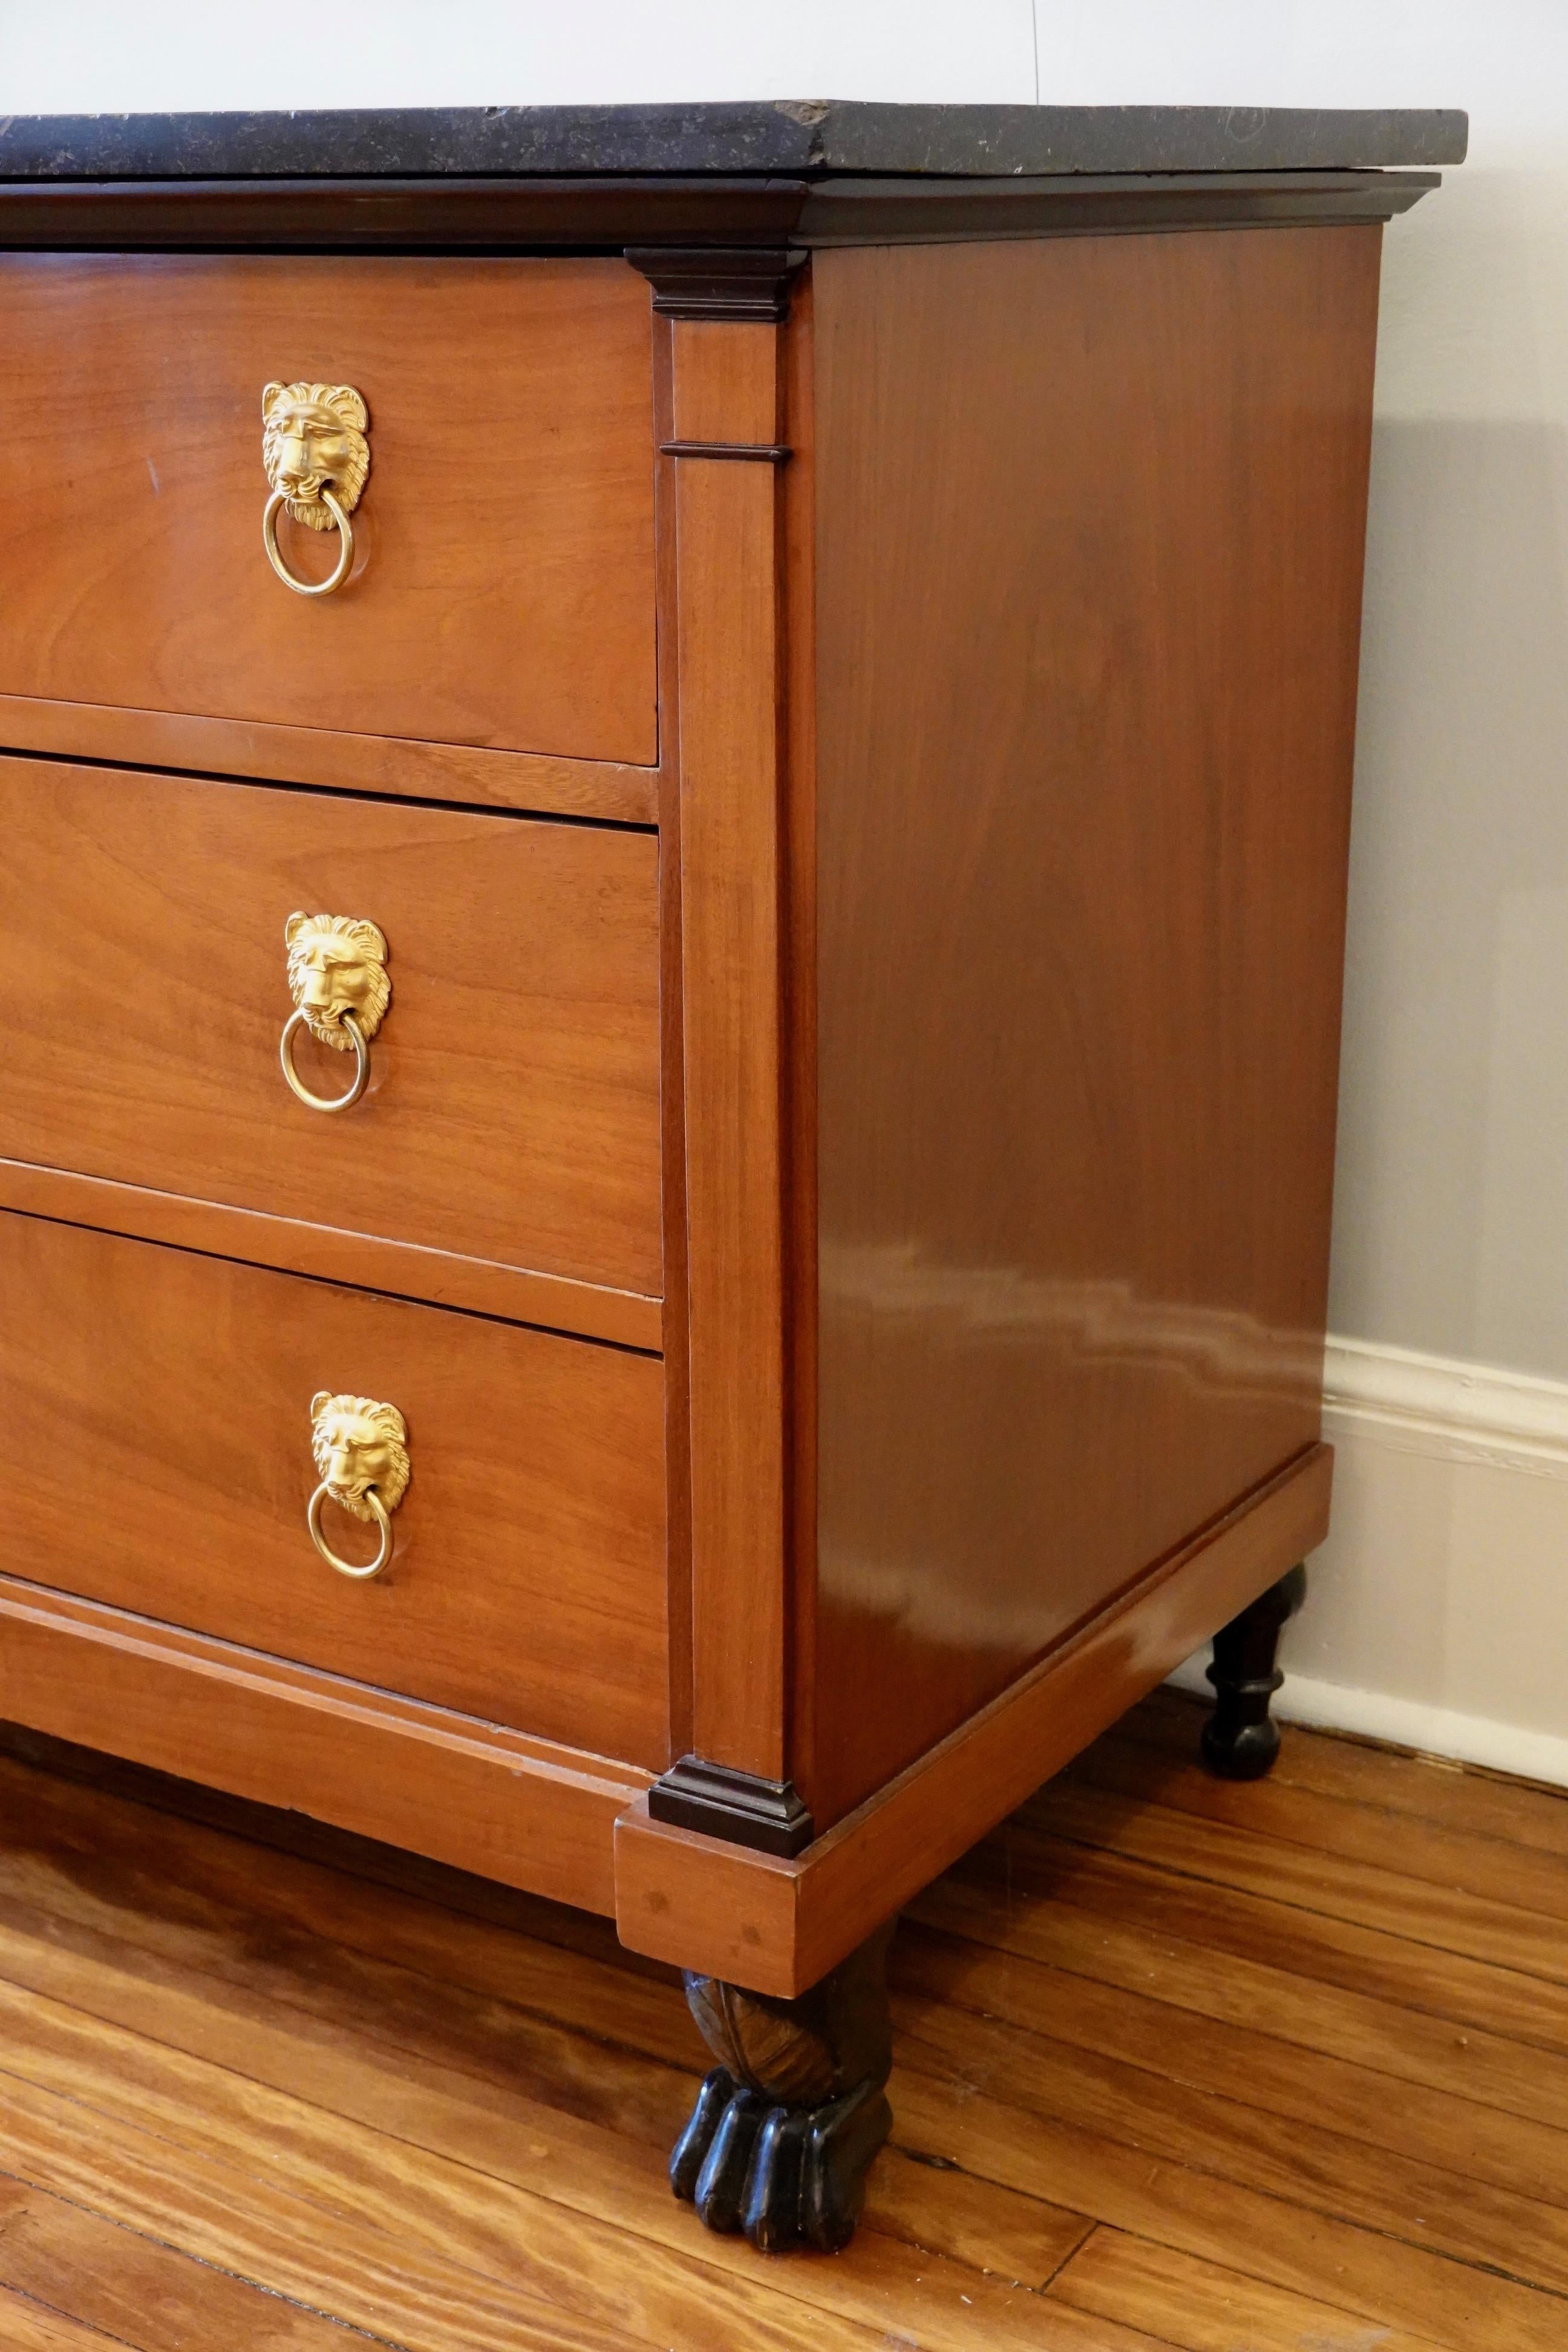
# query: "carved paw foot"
(784, 2127)
(788, 2177)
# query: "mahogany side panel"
(727, 556)
(778, 1927)
(503, 593)
(512, 1109)
(158, 1457)
(523, 1812)
(1090, 521)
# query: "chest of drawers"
(675, 795)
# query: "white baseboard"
(1452, 1411)
(1438, 1615)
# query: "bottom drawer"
(157, 1410)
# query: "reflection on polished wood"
(1090, 522)
(780, 1925)
(264, 2083)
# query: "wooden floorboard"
(1296, 2082)
(1182, 2067)
(1505, 1878)
(1206, 2309)
(29, 2326)
(1429, 1789)
(135, 2290)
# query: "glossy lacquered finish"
(502, 590)
(1090, 527)
(834, 1226)
(781, 1923)
(158, 1457)
(512, 1110)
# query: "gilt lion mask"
(357, 1443)
(313, 437)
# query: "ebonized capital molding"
(765, 1815)
(734, 282)
(758, 453)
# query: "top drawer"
(502, 587)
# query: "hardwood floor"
(1181, 2065)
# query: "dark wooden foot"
(788, 2122)
(1241, 1739)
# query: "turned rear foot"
(1241, 1738)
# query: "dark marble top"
(792, 137)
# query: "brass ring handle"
(360, 1447)
(343, 1566)
(361, 1065)
(340, 571)
(340, 987)
(315, 453)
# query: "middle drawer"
(511, 1105)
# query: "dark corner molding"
(765, 1815)
(734, 282)
(762, 453)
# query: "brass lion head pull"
(316, 454)
(338, 979)
(360, 1451)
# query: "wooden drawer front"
(512, 1109)
(157, 1455)
(503, 585)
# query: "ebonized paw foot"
(785, 2128)
(1241, 1739)
(788, 2177)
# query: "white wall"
(81, 55)
(1442, 1596)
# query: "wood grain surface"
(371, 1262)
(1090, 521)
(798, 694)
(512, 1113)
(313, 755)
(727, 609)
(158, 1457)
(262, 2082)
(672, 1060)
(503, 593)
(526, 1811)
